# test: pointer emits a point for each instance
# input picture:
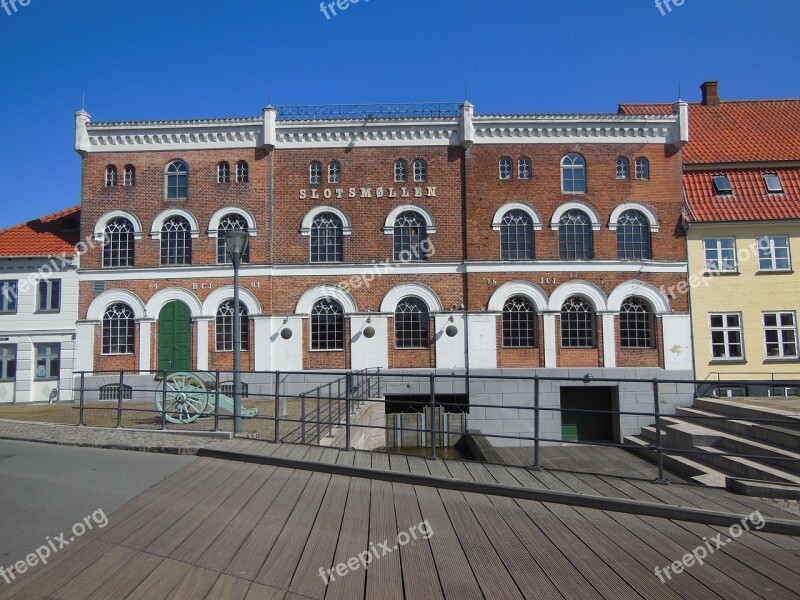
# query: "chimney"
(710, 93)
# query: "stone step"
(747, 412)
(677, 464)
(741, 467)
(763, 489)
(761, 432)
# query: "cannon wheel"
(187, 397)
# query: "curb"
(179, 450)
(636, 507)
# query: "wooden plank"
(458, 470)
(384, 576)
(346, 457)
(94, 576)
(418, 465)
(262, 592)
(194, 586)
(228, 588)
(479, 472)
(380, 461)
(160, 583)
(329, 455)
(125, 577)
(502, 476)
(353, 539)
(437, 468)
(398, 462)
(363, 459)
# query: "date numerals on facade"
(543, 281)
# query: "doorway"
(174, 337)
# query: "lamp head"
(236, 242)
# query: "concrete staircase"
(711, 429)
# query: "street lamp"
(236, 244)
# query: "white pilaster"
(202, 342)
(450, 351)
(609, 341)
(677, 335)
(287, 355)
(145, 343)
(261, 343)
(84, 345)
(369, 353)
(549, 339)
(482, 343)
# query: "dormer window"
(773, 183)
(722, 185)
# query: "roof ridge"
(44, 219)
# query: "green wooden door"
(174, 338)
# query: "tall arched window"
(623, 168)
(420, 171)
(130, 176)
(230, 222)
(111, 176)
(519, 323)
(642, 168)
(315, 173)
(573, 174)
(506, 168)
(242, 172)
(327, 239)
(224, 327)
(636, 321)
(118, 243)
(411, 323)
(118, 329)
(223, 173)
(327, 325)
(410, 237)
(335, 172)
(577, 323)
(400, 171)
(575, 241)
(525, 168)
(633, 236)
(176, 241)
(516, 236)
(177, 181)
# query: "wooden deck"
(223, 529)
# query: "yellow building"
(742, 220)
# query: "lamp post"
(236, 243)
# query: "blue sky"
(173, 59)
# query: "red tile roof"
(736, 131)
(50, 235)
(750, 200)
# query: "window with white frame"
(8, 362)
(230, 222)
(727, 339)
(720, 255)
(633, 236)
(49, 297)
(636, 324)
(48, 360)
(223, 173)
(420, 171)
(327, 239)
(573, 174)
(410, 235)
(780, 333)
(8, 297)
(506, 168)
(327, 325)
(642, 168)
(242, 172)
(773, 253)
(525, 168)
(111, 176)
(130, 176)
(118, 243)
(411, 323)
(575, 238)
(176, 241)
(118, 329)
(578, 323)
(519, 323)
(623, 168)
(516, 236)
(315, 173)
(400, 171)
(335, 172)
(224, 326)
(177, 181)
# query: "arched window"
(525, 168)
(118, 243)
(242, 172)
(400, 171)
(410, 237)
(223, 173)
(111, 176)
(519, 323)
(573, 174)
(420, 171)
(224, 327)
(315, 173)
(577, 323)
(623, 168)
(130, 176)
(516, 236)
(231, 222)
(642, 168)
(575, 240)
(633, 236)
(335, 172)
(636, 324)
(506, 167)
(176, 241)
(327, 239)
(411, 323)
(177, 180)
(327, 325)
(118, 329)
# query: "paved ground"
(221, 529)
(45, 489)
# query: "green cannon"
(190, 396)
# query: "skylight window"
(773, 182)
(723, 185)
